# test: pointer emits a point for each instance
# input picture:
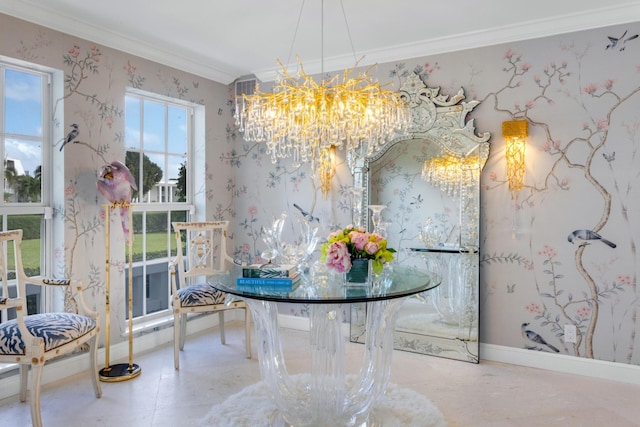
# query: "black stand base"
(119, 372)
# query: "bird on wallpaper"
(71, 136)
(115, 183)
(306, 215)
(613, 41)
(582, 237)
(534, 337)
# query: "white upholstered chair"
(32, 340)
(201, 252)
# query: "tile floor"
(488, 394)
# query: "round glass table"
(329, 398)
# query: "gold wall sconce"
(514, 134)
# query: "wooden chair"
(206, 254)
(33, 339)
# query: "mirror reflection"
(422, 193)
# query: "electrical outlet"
(570, 334)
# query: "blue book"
(264, 284)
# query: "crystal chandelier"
(449, 173)
(302, 119)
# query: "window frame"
(144, 207)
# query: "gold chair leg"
(176, 341)
(183, 329)
(93, 354)
(221, 322)
(36, 378)
(247, 330)
(24, 375)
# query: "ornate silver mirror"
(424, 187)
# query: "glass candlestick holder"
(376, 217)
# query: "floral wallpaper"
(563, 252)
(94, 82)
(539, 269)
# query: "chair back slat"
(10, 261)
(201, 249)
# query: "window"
(26, 138)
(159, 141)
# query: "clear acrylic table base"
(329, 398)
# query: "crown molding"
(579, 21)
(39, 13)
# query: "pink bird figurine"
(115, 183)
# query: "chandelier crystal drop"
(301, 119)
(449, 173)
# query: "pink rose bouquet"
(351, 243)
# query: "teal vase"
(359, 272)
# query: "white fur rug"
(252, 407)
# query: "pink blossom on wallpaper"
(534, 308)
(109, 121)
(69, 191)
(430, 68)
(493, 175)
(536, 79)
(102, 215)
(608, 84)
(530, 104)
(549, 145)
(602, 124)
(253, 210)
(525, 67)
(245, 248)
(548, 252)
(59, 252)
(590, 88)
(74, 51)
(625, 279)
(564, 183)
(584, 311)
(129, 69)
(95, 53)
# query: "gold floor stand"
(119, 372)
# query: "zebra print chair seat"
(32, 340)
(200, 294)
(201, 252)
(55, 329)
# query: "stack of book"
(269, 278)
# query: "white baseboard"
(65, 367)
(533, 359)
(602, 369)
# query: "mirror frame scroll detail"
(441, 120)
